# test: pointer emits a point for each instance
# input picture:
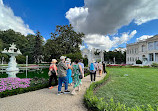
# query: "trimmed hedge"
(22, 90)
(95, 104)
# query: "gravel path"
(47, 100)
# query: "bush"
(95, 104)
(138, 62)
(154, 65)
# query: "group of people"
(68, 73)
(96, 68)
(65, 71)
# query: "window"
(156, 45)
(143, 48)
(150, 46)
(151, 57)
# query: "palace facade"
(90, 55)
(144, 50)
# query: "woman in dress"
(77, 70)
(69, 71)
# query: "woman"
(53, 75)
(69, 71)
(77, 70)
(92, 69)
(100, 67)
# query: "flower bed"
(13, 83)
(13, 86)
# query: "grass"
(38, 73)
(140, 87)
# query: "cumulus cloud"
(107, 16)
(143, 37)
(82, 47)
(9, 21)
(105, 42)
(98, 18)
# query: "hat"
(62, 57)
(68, 59)
(54, 61)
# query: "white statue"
(12, 69)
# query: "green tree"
(74, 56)
(63, 41)
(38, 48)
(30, 48)
(119, 57)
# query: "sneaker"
(66, 92)
(59, 93)
(51, 87)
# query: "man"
(62, 67)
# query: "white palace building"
(144, 50)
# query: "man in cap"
(62, 67)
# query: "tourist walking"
(96, 67)
(62, 67)
(69, 71)
(100, 68)
(104, 70)
(93, 71)
(53, 73)
(77, 73)
(82, 65)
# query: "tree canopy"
(63, 41)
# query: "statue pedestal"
(12, 69)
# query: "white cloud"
(143, 37)
(9, 21)
(98, 18)
(82, 47)
(105, 43)
(107, 16)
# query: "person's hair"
(81, 60)
(76, 61)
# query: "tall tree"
(38, 49)
(63, 41)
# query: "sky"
(107, 24)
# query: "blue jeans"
(65, 81)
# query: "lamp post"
(26, 64)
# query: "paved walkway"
(47, 100)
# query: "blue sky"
(45, 15)
(41, 15)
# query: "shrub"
(138, 62)
(154, 65)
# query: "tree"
(63, 41)
(119, 57)
(38, 48)
(30, 48)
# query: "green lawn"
(38, 73)
(140, 87)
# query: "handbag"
(80, 76)
(49, 73)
